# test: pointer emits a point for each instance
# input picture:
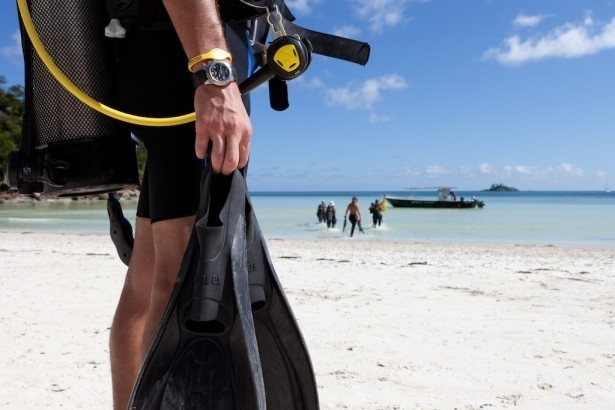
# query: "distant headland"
(501, 188)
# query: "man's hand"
(221, 119)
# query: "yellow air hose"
(80, 95)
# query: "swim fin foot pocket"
(228, 338)
(120, 229)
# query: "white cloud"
(485, 168)
(544, 175)
(602, 174)
(567, 41)
(566, 169)
(589, 20)
(523, 20)
(436, 170)
(467, 171)
(563, 169)
(13, 52)
(301, 6)
(383, 14)
(347, 31)
(522, 170)
(365, 96)
(312, 83)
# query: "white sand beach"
(389, 325)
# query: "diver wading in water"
(221, 332)
(354, 215)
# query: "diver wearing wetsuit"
(330, 215)
(376, 211)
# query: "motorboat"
(447, 199)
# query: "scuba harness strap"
(332, 46)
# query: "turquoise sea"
(538, 217)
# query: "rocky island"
(501, 188)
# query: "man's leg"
(130, 315)
(170, 242)
(156, 259)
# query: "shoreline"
(372, 241)
(568, 221)
(390, 325)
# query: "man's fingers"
(230, 152)
(231, 158)
(201, 143)
(217, 155)
(200, 149)
(244, 153)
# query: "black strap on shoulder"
(285, 11)
(332, 46)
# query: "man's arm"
(221, 117)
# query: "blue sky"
(460, 93)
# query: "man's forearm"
(198, 25)
(223, 128)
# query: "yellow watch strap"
(214, 54)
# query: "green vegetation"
(11, 113)
(141, 156)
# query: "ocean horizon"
(522, 217)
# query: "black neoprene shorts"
(153, 80)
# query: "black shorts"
(153, 81)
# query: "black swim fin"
(120, 229)
(204, 355)
(287, 368)
(227, 341)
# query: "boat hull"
(420, 203)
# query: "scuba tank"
(67, 148)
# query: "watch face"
(220, 72)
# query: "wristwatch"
(216, 72)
